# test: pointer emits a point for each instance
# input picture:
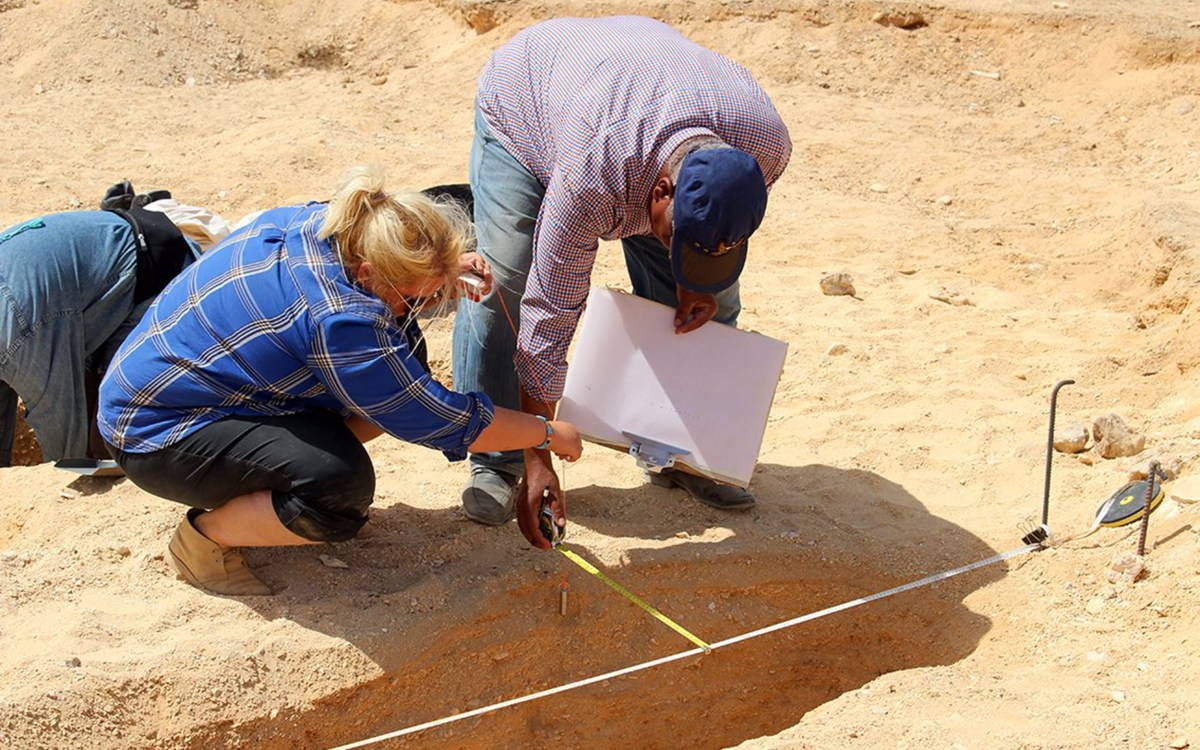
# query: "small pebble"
(838, 284)
(332, 562)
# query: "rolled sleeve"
(366, 364)
(564, 251)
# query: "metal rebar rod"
(1153, 474)
(1050, 448)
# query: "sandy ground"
(1014, 188)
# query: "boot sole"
(659, 479)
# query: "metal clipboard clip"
(652, 455)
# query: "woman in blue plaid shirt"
(248, 388)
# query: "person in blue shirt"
(248, 388)
(72, 286)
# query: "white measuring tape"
(936, 577)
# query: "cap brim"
(699, 272)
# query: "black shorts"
(320, 476)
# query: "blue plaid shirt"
(267, 323)
(593, 108)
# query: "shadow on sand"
(471, 616)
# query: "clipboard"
(698, 402)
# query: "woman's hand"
(475, 265)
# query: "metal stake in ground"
(1050, 448)
(1154, 473)
(1042, 533)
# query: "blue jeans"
(507, 201)
(66, 288)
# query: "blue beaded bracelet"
(549, 434)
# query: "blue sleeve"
(365, 363)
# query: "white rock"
(330, 561)
(1071, 438)
(1114, 438)
(1125, 568)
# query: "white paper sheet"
(707, 392)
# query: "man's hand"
(694, 309)
(539, 475)
(565, 442)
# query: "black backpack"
(162, 250)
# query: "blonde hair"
(406, 237)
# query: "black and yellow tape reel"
(1127, 504)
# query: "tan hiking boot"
(205, 564)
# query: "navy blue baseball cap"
(720, 199)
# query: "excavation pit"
(521, 645)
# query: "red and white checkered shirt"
(593, 108)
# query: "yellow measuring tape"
(632, 597)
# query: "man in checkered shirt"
(590, 129)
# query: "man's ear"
(664, 189)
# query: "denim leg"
(649, 266)
(507, 201)
(66, 283)
(8, 423)
(51, 367)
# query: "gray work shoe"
(707, 491)
(489, 496)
